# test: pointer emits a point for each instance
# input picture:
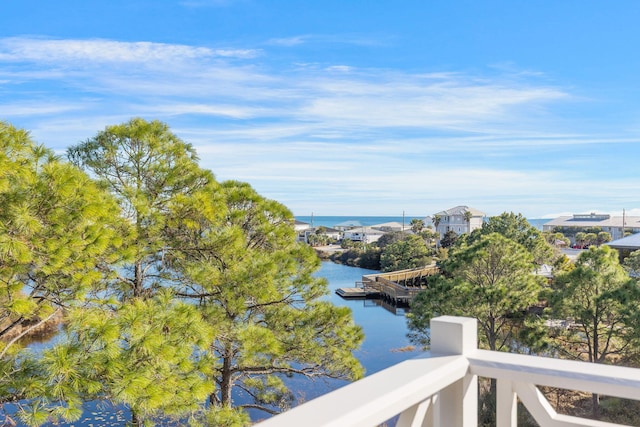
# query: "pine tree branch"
(26, 331)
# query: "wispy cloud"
(333, 129)
(332, 39)
(288, 41)
(18, 49)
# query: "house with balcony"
(460, 219)
(440, 387)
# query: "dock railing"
(440, 389)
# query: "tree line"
(177, 291)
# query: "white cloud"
(288, 41)
(37, 108)
(110, 51)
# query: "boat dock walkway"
(399, 287)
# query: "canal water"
(385, 344)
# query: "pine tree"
(602, 300)
(150, 171)
(58, 232)
(254, 282)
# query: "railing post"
(456, 405)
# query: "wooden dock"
(398, 287)
(357, 292)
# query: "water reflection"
(395, 309)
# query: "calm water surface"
(385, 333)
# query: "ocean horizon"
(331, 221)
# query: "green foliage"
(449, 239)
(389, 238)
(417, 225)
(602, 301)
(58, 232)
(515, 227)
(221, 416)
(411, 252)
(553, 238)
(603, 237)
(255, 283)
(632, 264)
(318, 239)
(600, 297)
(358, 257)
(147, 354)
(572, 231)
(149, 170)
(347, 244)
(491, 280)
(155, 178)
(122, 265)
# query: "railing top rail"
(407, 387)
(607, 380)
(375, 399)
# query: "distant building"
(613, 225)
(391, 226)
(331, 233)
(300, 226)
(363, 234)
(461, 219)
(347, 225)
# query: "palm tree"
(436, 222)
(467, 216)
(417, 225)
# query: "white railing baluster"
(417, 415)
(506, 404)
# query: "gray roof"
(327, 229)
(630, 242)
(604, 221)
(350, 223)
(460, 210)
(392, 224)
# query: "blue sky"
(351, 107)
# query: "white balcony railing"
(440, 388)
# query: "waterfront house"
(460, 219)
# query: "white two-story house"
(461, 219)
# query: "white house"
(332, 233)
(363, 234)
(302, 229)
(300, 226)
(461, 219)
